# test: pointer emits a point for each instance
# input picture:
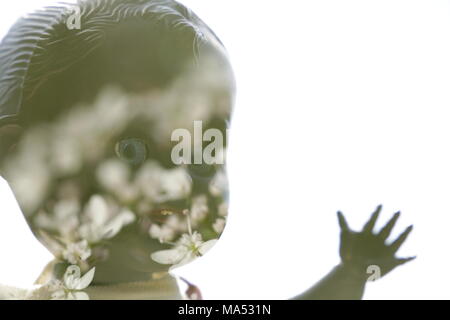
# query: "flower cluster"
(70, 287)
(187, 248)
(78, 194)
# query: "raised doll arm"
(361, 254)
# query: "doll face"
(113, 183)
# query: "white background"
(341, 105)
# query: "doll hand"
(359, 250)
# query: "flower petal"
(97, 210)
(117, 223)
(171, 256)
(85, 280)
(190, 256)
(204, 247)
(72, 277)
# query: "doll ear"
(9, 135)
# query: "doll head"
(113, 133)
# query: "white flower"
(103, 221)
(161, 185)
(27, 171)
(29, 183)
(44, 292)
(222, 209)
(67, 249)
(64, 218)
(65, 154)
(219, 225)
(187, 248)
(173, 226)
(77, 252)
(177, 223)
(72, 285)
(219, 184)
(163, 232)
(199, 208)
(175, 184)
(114, 176)
(113, 108)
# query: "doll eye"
(133, 151)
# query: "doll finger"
(373, 219)
(387, 229)
(342, 222)
(401, 239)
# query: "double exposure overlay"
(114, 128)
(114, 141)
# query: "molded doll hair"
(135, 44)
